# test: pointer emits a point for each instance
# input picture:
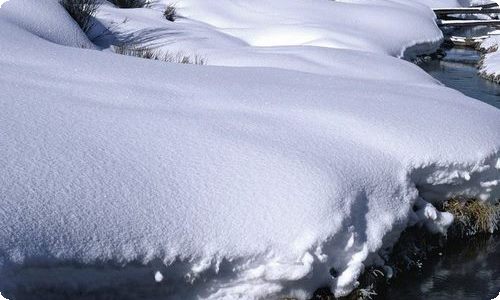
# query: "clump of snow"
(158, 276)
(249, 181)
(428, 215)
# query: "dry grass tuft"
(170, 13)
(473, 216)
(149, 53)
(131, 3)
(82, 11)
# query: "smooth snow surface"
(308, 148)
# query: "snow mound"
(44, 19)
(246, 33)
(124, 174)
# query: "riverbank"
(420, 264)
(426, 266)
(489, 65)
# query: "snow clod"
(158, 276)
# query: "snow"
(50, 26)
(251, 177)
(256, 38)
(158, 276)
(490, 66)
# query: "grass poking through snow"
(170, 13)
(82, 11)
(149, 53)
(131, 3)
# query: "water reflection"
(464, 270)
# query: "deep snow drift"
(223, 182)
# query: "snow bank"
(490, 66)
(243, 33)
(228, 182)
(490, 63)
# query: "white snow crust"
(305, 145)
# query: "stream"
(463, 269)
(458, 69)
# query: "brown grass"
(473, 216)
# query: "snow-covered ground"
(304, 145)
(280, 34)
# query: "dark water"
(462, 269)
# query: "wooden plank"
(490, 5)
(466, 10)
